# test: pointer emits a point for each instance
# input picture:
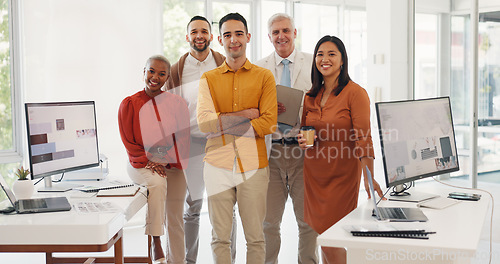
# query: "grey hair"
(160, 58)
(278, 17)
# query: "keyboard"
(34, 204)
(392, 213)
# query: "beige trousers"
(165, 205)
(226, 188)
(194, 202)
(286, 178)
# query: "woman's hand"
(376, 186)
(302, 141)
(157, 168)
(367, 163)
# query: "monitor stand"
(58, 187)
(414, 196)
(90, 174)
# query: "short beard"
(202, 49)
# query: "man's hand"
(242, 130)
(251, 113)
(237, 123)
(281, 108)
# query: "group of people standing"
(216, 129)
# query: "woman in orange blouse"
(154, 128)
(339, 110)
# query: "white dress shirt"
(278, 68)
(278, 72)
(193, 69)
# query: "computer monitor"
(418, 141)
(62, 137)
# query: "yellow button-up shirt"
(223, 90)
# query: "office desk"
(458, 231)
(72, 231)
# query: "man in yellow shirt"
(237, 106)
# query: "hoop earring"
(342, 67)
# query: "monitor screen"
(417, 139)
(62, 137)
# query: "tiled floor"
(135, 240)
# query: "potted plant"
(23, 188)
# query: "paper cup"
(309, 132)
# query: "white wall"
(464, 6)
(388, 42)
(89, 50)
(387, 31)
(432, 6)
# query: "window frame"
(16, 153)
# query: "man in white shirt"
(185, 76)
(286, 158)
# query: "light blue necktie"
(285, 81)
(285, 76)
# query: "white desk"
(71, 231)
(458, 231)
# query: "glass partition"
(488, 92)
(489, 96)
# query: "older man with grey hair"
(291, 68)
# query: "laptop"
(41, 205)
(394, 214)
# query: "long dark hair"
(317, 77)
